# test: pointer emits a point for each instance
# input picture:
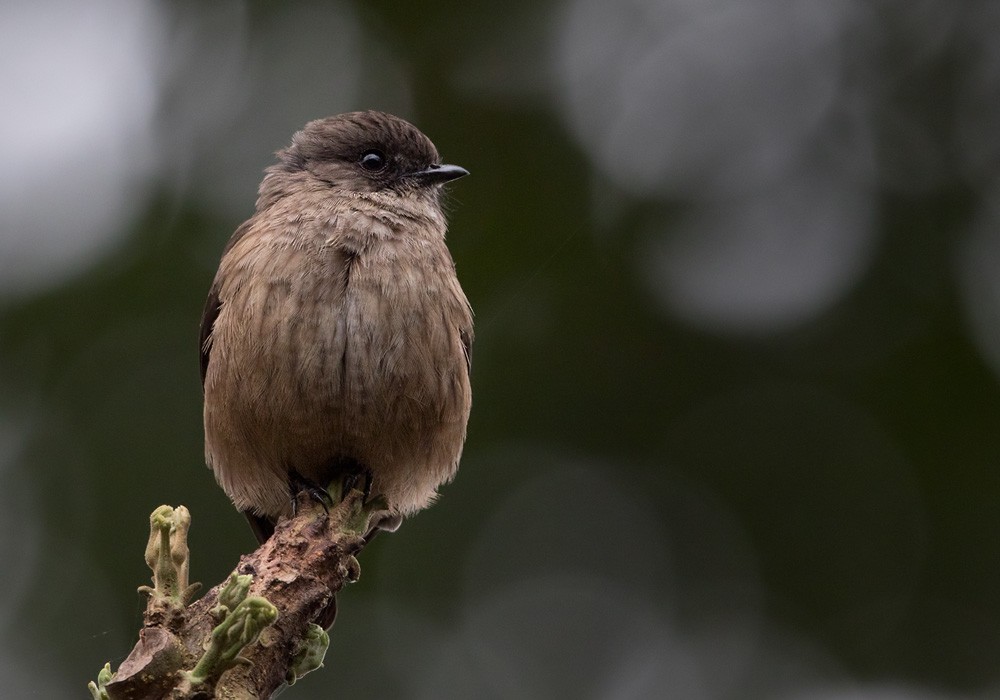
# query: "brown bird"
(336, 340)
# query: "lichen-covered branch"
(255, 631)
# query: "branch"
(255, 631)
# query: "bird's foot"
(360, 479)
(366, 515)
(300, 486)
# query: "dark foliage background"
(735, 268)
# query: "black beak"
(437, 174)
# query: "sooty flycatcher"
(336, 340)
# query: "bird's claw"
(352, 479)
(313, 492)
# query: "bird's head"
(368, 152)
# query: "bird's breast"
(401, 311)
(342, 326)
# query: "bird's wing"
(262, 526)
(466, 336)
(208, 316)
(213, 304)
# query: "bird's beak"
(437, 174)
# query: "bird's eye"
(373, 161)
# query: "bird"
(336, 340)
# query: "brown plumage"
(336, 339)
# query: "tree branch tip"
(309, 657)
(168, 557)
(98, 690)
(237, 630)
(227, 645)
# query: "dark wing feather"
(208, 316)
(466, 337)
(213, 304)
(262, 527)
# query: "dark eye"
(373, 160)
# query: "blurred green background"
(735, 268)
